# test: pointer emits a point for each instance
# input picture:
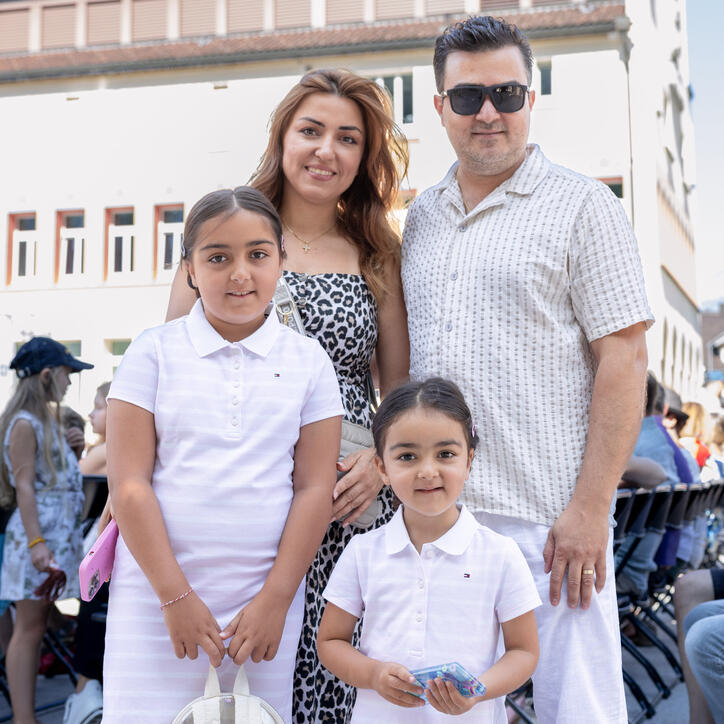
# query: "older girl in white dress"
(223, 431)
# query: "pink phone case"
(98, 563)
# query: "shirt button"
(420, 583)
(234, 400)
(448, 326)
(418, 618)
(428, 554)
(236, 383)
(234, 421)
(237, 364)
(454, 276)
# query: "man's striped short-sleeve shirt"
(505, 300)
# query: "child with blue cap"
(41, 483)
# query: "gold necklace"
(306, 245)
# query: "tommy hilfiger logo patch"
(466, 575)
(276, 374)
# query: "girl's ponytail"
(38, 397)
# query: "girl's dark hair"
(475, 35)
(222, 205)
(434, 393)
(654, 396)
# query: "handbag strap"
(285, 307)
(289, 316)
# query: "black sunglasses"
(467, 100)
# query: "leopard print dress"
(340, 311)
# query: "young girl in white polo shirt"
(433, 585)
(223, 434)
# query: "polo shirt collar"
(206, 340)
(523, 182)
(455, 542)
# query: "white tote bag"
(239, 707)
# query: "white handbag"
(238, 707)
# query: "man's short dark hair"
(475, 35)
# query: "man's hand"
(444, 696)
(360, 485)
(577, 541)
(394, 683)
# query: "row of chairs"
(668, 507)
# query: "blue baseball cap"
(41, 352)
(713, 376)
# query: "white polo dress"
(443, 604)
(227, 418)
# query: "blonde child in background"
(85, 704)
(94, 462)
(39, 471)
(433, 584)
(223, 436)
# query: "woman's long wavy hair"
(364, 209)
(39, 398)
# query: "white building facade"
(117, 115)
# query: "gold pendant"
(306, 248)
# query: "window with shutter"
(104, 23)
(149, 19)
(345, 11)
(394, 9)
(293, 13)
(58, 23)
(14, 30)
(244, 15)
(198, 17)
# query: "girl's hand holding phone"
(190, 625)
(444, 696)
(396, 684)
(256, 630)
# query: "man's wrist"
(592, 506)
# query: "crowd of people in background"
(280, 523)
(682, 444)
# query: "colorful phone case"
(465, 682)
(98, 563)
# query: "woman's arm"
(393, 344)
(362, 482)
(334, 644)
(512, 670)
(257, 628)
(23, 447)
(182, 296)
(131, 445)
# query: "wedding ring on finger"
(587, 571)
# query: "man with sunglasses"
(523, 284)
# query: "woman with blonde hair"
(332, 168)
(39, 473)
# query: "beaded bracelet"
(178, 598)
(35, 541)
